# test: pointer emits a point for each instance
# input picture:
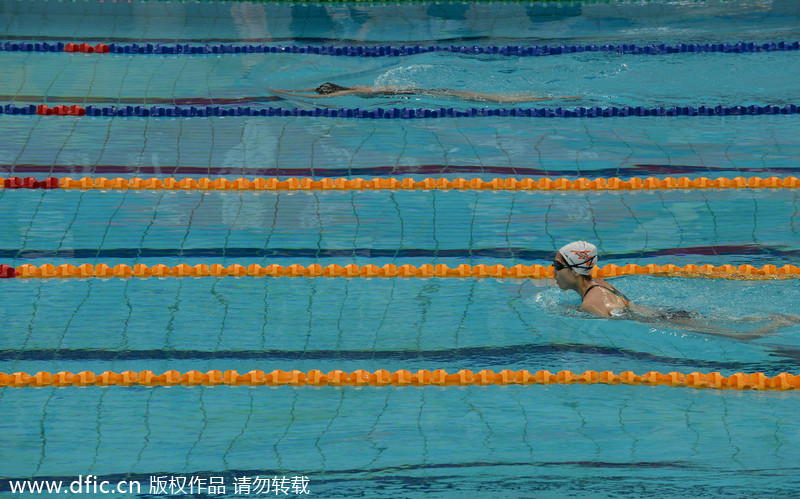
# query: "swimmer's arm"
(713, 330)
(500, 98)
(698, 327)
(481, 97)
(342, 93)
(338, 93)
(291, 92)
(534, 98)
(778, 321)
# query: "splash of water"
(405, 77)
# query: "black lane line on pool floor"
(785, 360)
(382, 171)
(517, 253)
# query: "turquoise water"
(598, 79)
(460, 147)
(534, 441)
(652, 21)
(755, 226)
(328, 324)
(400, 442)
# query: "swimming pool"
(543, 440)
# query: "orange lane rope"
(382, 377)
(308, 184)
(104, 271)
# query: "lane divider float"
(358, 184)
(103, 271)
(392, 51)
(75, 110)
(382, 377)
(405, 113)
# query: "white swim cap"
(580, 256)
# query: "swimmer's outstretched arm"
(511, 99)
(500, 98)
(338, 93)
(713, 330)
(289, 92)
(779, 321)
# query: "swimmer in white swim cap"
(572, 267)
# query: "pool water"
(593, 79)
(482, 441)
(727, 146)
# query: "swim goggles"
(560, 266)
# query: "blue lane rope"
(404, 50)
(416, 113)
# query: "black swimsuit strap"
(613, 290)
(587, 291)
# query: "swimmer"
(327, 90)
(573, 265)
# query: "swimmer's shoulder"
(601, 283)
(605, 300)
(596, 307)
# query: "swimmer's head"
(329, 88)
(579, 256)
